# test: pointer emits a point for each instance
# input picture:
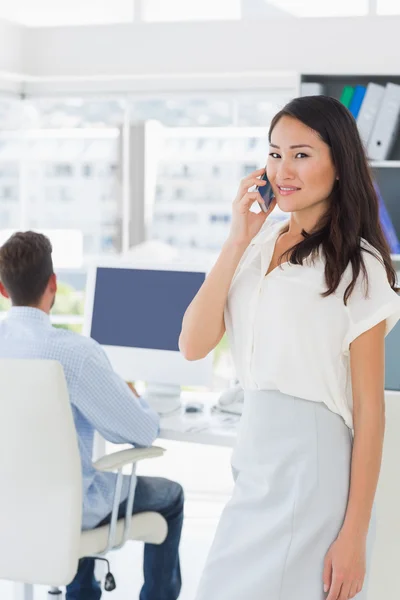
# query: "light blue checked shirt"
(100, 399)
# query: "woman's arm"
(345, 562)
(203, 323)
(367, 359)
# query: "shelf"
(385, 164)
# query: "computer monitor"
(135, 312)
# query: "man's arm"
(109, 405)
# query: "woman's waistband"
(276, 402)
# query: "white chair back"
(40, 475)
(383, 582)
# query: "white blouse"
(285, 336)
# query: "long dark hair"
(353, 213)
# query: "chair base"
(23, 591)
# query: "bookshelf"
(385, 164)
(386, 172)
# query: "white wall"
(353, 45)
(11, 53)
(251, 54)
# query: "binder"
(387, 224)
(356, 101)
(311, 88)
(347, 95)
(385, 126)
(369, 110)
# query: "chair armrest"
(116, 460)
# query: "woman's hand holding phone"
(246, 224)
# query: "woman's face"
(299, 167)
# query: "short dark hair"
(26, 267)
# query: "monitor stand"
(164, 398)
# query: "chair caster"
(109, 581)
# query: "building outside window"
(61, 170)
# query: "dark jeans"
(161, 568)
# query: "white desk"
(207, 427)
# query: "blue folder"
(356, 101)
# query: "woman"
(306, 306)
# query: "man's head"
(26, 271)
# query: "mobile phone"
(266, 193)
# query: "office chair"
(385, 556)
(41, 540)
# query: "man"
(100, 401)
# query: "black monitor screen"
(139, 308)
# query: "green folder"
(347, 95)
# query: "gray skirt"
(292, 467)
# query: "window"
(5, 218)
(65, 195)
(69, 150)
(50, 13)
(247, 169)
(8, 170)
(107, 243)
(258, 108)
(314, 8)
(88, 243)
(71, 113)
(10, 112)
(73, 152)
(185, 111)
(199, 169)
(87, 170)
(194, 10)
(8, 194)
(10, 157)
(59, 170)
(159, 191)
(388, 7)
